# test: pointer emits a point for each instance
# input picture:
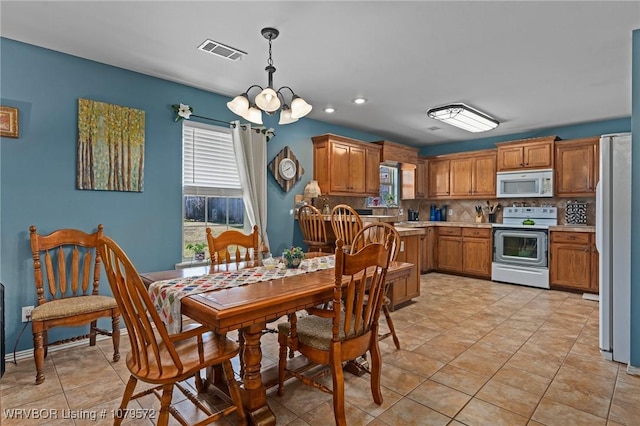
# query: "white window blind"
(209, 161)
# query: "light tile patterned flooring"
(473, 352)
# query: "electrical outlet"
(26, 313)
(450, 212)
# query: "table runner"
(166, 294)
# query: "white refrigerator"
(613, 242)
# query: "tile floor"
(473, 352)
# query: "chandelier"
(269, 100)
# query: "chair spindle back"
(138, 311)
(225, 248)
(71, 263)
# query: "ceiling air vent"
(222, 50)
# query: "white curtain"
(251, 155)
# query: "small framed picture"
(8, 122)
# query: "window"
(212, 194)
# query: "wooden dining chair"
(378, 232)
(346, 330)
(226, 247)
(161, 359)
(314, 231)
(69, 260)
(346, 223)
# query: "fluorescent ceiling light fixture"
(359, 101)
(464, 117)
(329, 110)
(269, 100)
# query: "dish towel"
(166, 294)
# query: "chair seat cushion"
(71, 306)
(315, 331)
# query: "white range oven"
(520, 246)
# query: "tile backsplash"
(464, 210)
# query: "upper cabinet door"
(438, 178)
(536, 153)
(511, 158)
(461, 171)
(356, 170)
(340, 165)
(484, 175)
(421, 178)
(577, 167)
(372, 171)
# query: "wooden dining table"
(250, 307)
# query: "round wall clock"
(286, 169)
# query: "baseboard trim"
(28, 353)
(635, 371)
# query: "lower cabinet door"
(571, 266)
(476, 256)
(450, 254)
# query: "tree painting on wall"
(110, 147)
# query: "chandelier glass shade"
(268, 99)
(464, 117)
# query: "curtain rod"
(243, 126)
(232, 124)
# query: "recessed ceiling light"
(329, 110)
(359, 101)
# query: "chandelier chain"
(270, 61)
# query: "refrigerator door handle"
(599, 217)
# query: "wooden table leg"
(254, 393)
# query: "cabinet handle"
(587, 250)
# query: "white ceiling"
(530, 65)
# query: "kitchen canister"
(575, 213)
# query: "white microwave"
(524, 184)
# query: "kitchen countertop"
(407, 232)
(573, 228)
(428, 223)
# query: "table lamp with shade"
(312, 190)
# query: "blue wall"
(37, 171)
(635, 203)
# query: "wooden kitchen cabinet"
(449, 253)
(577, 167)
(465, 251)
(438, 178)
(477, 248)
(344, 166)
(406, 289)
(427, 250)
(421, 178)
(535, 153)
(372, 171)
(474, 176)
(573, 261)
